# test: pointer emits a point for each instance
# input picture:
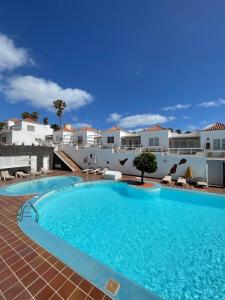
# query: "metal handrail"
(21, 212)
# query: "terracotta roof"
(87, 129)
(156, 128)
(115, 128)
(68, 129)
(30, 120)
(216, 126)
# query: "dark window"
(110, 139)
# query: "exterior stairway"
(68, 161)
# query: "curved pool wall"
(196, 203)
(40, 185)
(88, 267)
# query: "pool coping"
(88, 267)
(38, 178)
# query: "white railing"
(185, 151)
(215, 153)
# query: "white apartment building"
(113, 136)
(26, 132)
(87, 136)
(64, 135)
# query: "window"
(223, 144)
(30, 128)
(216, 144)
(110, 139)
(154, 141)
(4, 139)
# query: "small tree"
(145, 162)
(55, 127)
(45, 121)
(25, 115)
(35, 115)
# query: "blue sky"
(132, 63)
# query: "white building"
(112, 137)
(64, 135)
(87, 136)
(155, 137)
(26, 132)
(213, 138)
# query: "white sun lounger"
(102, 171)
(21, 174)
(201, 184)
(45, 171)
(94, 171)
(5, 175)
(112, 175)
(181, 181)
(167, 179)
(86, 170)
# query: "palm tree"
(59, 105)
(145, 162)
(34, 115)
(25, 115)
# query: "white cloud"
(11, 56)
(114, 117)
(185, 117)
(139, 120)
(40, 93)
(176, 107)
(80, 125)
(212, 103)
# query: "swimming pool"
(169, 241)
(38, 186)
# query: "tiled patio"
(27, 271)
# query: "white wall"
(198, 164)
(22, 136)
(88, 136)
(211, 135)
(65, 137)
(163, 136)
(117, 134)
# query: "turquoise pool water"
(39, 186)
(169, 241)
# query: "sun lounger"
(112, 175)
(45, 171)
(36, 173)
(201, 184)
(86, 170)
(95, 171)
(167, 179)
(5, 175)
(21, 174)
(102, 171)
(181, 181)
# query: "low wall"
(123, 161)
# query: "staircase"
(68, 161)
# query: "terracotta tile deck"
(27, 271)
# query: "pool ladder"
(22, 213)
